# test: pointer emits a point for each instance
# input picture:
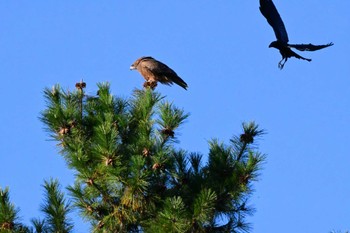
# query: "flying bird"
(155, 71)
(269, 11)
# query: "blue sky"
(220, 48)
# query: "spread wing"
(163, 73)
(309, 47)
(269, 11)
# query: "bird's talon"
(150, 84)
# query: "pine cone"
(244, 179)
(247, 138)
(109, 161)
(81, 85)
(90, 182)
(168, 132)
(7, 226)
(89, 208)
(156, 166)
(63, 130)
(100, 224)
(146, 152)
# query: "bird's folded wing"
(164, 74)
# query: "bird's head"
(134, 66)
(137, 62)
(275, 44)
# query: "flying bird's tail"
(309, 47)
(294, 54)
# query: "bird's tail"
(181, 83)
(294, 54)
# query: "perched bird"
(155, 71)
(269, 11)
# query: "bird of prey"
(269, 11)
(155, 71)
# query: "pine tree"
(56, 209)
(9, 219)
(130, 177)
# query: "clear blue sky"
(220, 48)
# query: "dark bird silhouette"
(269, 11)
(155, 71)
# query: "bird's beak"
(132, 67)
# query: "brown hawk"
(155, 71)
